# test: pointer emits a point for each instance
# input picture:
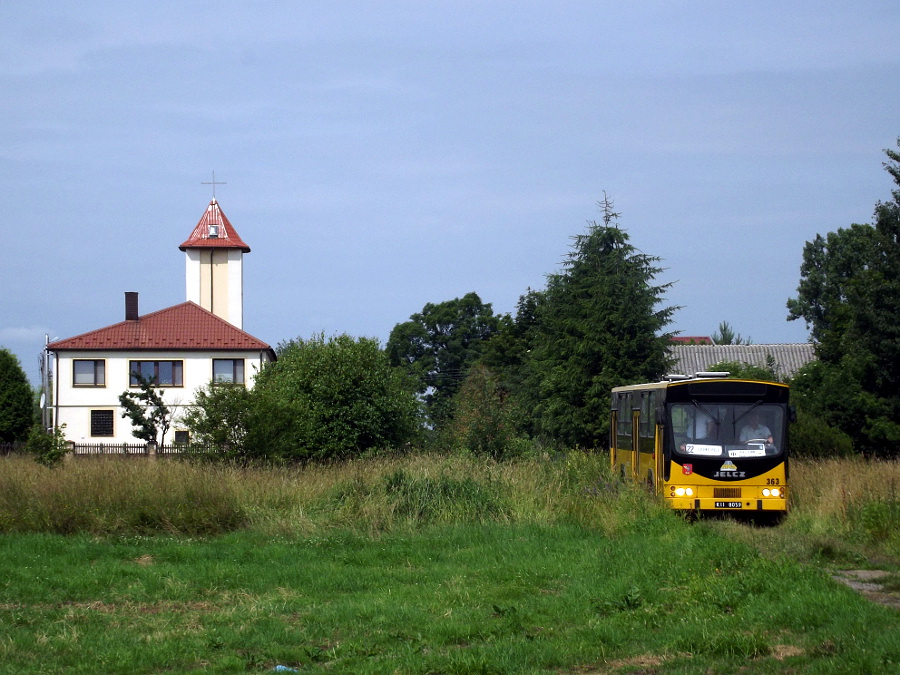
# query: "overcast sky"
(382, 155)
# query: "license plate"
(729, 505)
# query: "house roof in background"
(692, 340)
(789, 358)
(186, 326)
(225, 234)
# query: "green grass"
(412, 565)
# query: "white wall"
(73, 405)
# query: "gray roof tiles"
(690, 359)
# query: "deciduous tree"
(329, 399)
(849, 296)
(439, 344)
(830, 268)
(148, 412)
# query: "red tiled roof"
(227, 235)
(184, 326)
(695, 340)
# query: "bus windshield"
(702, 429)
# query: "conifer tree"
(600, 326)
(16, 399)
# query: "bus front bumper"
(711, 504)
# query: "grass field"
(432, 565)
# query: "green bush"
(47, 448)
(322, 399)
(811, 436)
(219, 418)
(877, 519)
(443, 498)
(482, 421)
(330, 399)
(747, 371)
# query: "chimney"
(131, 306)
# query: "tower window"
(213, 231)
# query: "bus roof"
(670, 383)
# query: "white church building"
(181, 348)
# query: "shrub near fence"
(11, 448)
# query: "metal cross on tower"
(214, 183)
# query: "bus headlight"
(772, 492)
(682, 492)
(766, 492)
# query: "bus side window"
(624, 416)
(647, 411)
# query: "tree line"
(457, 376)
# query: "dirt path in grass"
(869, 584)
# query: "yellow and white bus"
(706, 443)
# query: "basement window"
(102, 422)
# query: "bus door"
(646, 451)
(659, 433)
(636, 441)
(624, 438)
(615, 447)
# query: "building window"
(89, 373)
(228, 371)
(182, 437)
(160, 373)
(102, 422)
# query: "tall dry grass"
(117, 496)
(839, 506)
(849, 498)
(843, 513)
(111, 495)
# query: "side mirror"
(792, 414)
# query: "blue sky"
(383, 155)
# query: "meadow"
(433, 564)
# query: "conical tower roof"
(214, 231)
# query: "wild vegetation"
(432, 563)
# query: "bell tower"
(214, 266)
